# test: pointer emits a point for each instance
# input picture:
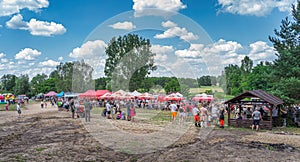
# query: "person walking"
(256, 119)
(87, 110)
(127, 105)
(72, 108)
(108, 108)
(19, 110)
(204, 116)
(284, 116)
(42, 104)
(181, 115)
(173, 108)
(195, 112)
(221, 117)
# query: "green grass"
(286, 129)
(202, 89)
(162, 116)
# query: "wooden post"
(271, 121)
(278, 118)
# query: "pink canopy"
(51, 93)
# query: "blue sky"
(190, 37)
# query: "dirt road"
(50, 135)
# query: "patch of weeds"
(271, 148)
(40, 149)
(20, 158)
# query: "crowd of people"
(204, 114)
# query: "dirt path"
(50, 135)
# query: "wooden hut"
(255, 98)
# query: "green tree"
(246, 68)
(8, 82)
(172, 86)
(129, 61)
(22, 85)
(37, 84)
(286, 68)
(233, 79)
(204, 81)
(82, 77)
(49, 85)
(100, 83)
(261, 77)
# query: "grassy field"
(12, 107)
(217, 91)
(202, 89)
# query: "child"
(6, 107)
(196, 112)
(132, 113)
(19, 110)
(123, 115)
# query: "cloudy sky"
(191, 38)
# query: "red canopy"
(203, 97)
(174, 97)
(88, 93)
(99, 93)
(146, 96)
(107, 96)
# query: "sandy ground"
(51, 135)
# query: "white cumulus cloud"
(2, 55)
(49, 63)
(36, 27)
(89, 49)
(27, 54)
(144, 7)
(10, 7)
(60, 58)
(260, 51)
(221, 53)
(168, 24)
(4, 60)
(175, 31)
(254, 7)
(126, 25)
(161, 52)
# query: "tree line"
(63, 79)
